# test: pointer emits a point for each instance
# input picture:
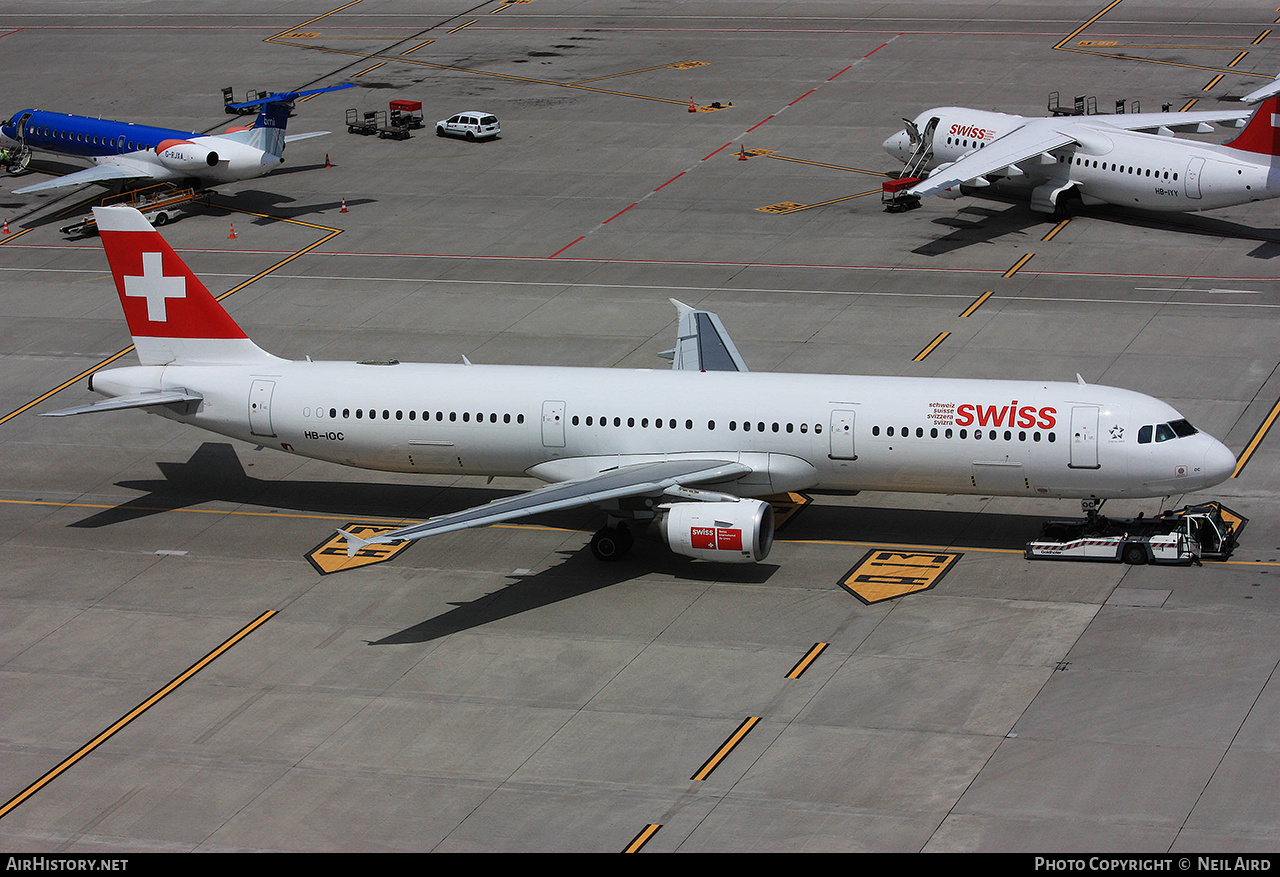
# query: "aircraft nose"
(1219, 462)
(898, 145)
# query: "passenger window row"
(1008, 435)
(398, 414)
(1141, 172)
(672, 423)
(80, 138)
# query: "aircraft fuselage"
(1114, 166)
(797, 432)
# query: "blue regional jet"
(126, 151)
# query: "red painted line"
(845, 70)
(562, 249)
(803, 96)
(673, 179)
(758, 124)
(615, 216)
(844, 266)
(876, 49)
(726, 146)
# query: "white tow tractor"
(1187, 535)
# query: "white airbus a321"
(683, 453)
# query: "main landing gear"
(612, 543)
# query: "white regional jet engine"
(728, 532)
(183, 155)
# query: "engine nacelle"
(183, 155)
(729, 532)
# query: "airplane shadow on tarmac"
(214, 473)
(277, 206)
(1016, 217)
(577, 574)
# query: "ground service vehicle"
(1182, 536)
(473, 125)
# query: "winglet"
(702, 343)
(355, 543)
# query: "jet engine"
(728, 532)
(183, 155)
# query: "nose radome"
(897, 144)
(1219, 463)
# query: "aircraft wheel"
(1067, 205)
(1135, 555)
(611, 543)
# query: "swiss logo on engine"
(716, 538)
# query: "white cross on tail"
(155, 287)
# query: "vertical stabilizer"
(1261, 133)
(172, 317)
(267, 132)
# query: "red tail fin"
(172, 316)
(1261, 133)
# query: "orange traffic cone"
(232, 236)
(742, 153)
(344, 206)
(692, 108)
(6, 226)
(326, 160)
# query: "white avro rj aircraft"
(684, 453)
(1131, 160)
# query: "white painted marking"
(155, 287)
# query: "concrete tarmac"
(176, 675)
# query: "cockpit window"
(1166, 431)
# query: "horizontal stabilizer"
(1271, 89)
(290, 138)
(135, 400)
(286, 96)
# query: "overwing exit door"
(842, 436)
(553, 424)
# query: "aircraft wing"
(703, 343)
(1169, 123)
(100, 174)
(639, 479)
(1030, 143)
